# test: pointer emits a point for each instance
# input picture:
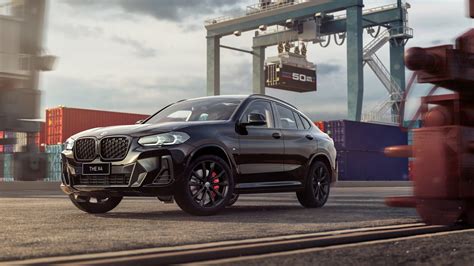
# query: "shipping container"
(63, 122)
(7, 167)
(29, 166)
(54, 170)
(1, 148)
(2, 166)
(320, 125)
(360, 136)
(370, 166)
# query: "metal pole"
(213, 65)
(259, 70)
(355, 72)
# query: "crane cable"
(328, 41)
(376, 34)
(342, 37)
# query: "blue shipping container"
(360, 136)
(54, 162)
(370, 166)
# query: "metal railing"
(371, 10)
(17, 64)
(384, 36)
(256, 9)
(382, 72)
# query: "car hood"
(136, 130)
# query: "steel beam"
(368, 20)
(397, 63)
(355, 69)
(258, 70)
(279, 16)
(213, 66)
(331, 27)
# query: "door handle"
(309, 137)
(276, 135)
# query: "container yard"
(237, 173)
(63, 122)
(44, 163)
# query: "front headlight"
(69, 144)
(165, 139)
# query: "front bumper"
(144, 171)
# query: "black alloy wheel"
(95, 204)
(318, 183)
(207, 188)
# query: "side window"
(260, 107)
(298, 121)
(287, 120)
(306, 124)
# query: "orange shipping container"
(63, 122)
(320, 125)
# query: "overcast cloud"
(139, 55)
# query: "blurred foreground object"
(22, 57)
(443, 149)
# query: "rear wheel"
(95, 204)
(207, 186)
(316, 191)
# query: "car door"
(260, 156)
(299, 143)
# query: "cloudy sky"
(139, 55)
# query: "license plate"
(96, 169)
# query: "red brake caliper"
(215, 181)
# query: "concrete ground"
(449, 249)
(36, 224)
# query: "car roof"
(242, 97)
(273, 99)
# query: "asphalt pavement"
(445, 249)
(39, 224)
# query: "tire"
(206, 187)
(233, 199)
(317, 187)
(101, 205)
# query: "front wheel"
(207, 186)
(95, 204)
(316, 190)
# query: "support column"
(355, 71)
(397, 63)
(213, 66)
(258, 70)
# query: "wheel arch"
(212, 149)
(322, 157)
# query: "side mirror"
(139, 121)
(255, 119)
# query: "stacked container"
(320, 125)
(360, 151)
(54, 170)
(10, 148)
(2, 133)
(62, 122)
(7, 160)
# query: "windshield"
(209, 109)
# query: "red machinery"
(443, 149)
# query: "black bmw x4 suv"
(204, 152)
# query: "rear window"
(306, 124)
